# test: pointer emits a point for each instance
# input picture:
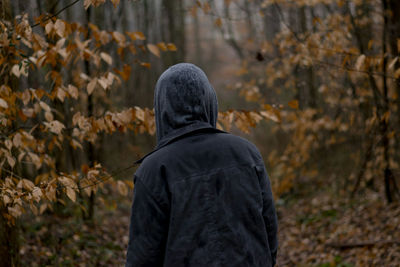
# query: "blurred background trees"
(314, 83)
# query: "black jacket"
(203, 196)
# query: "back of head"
(183, 96)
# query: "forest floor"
(317, 231)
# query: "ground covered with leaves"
(315, 231)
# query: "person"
(203, 196)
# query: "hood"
(183, 98)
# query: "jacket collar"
(180, 133)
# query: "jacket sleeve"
(269, 213)
(148, 229)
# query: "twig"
(57, 13)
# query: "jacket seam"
(269, 221)
(214, 170)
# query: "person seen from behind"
(203, 196)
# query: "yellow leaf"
(270, 115)
(119, 37)
(162, 46)
(75, 144)
(71, 194)
(294, 104)
(136, 35)
(153, 49)
(106, 57)
(171, 47)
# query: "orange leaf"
(294, 104)
(162, 46)
(171, 47)
(145, 64)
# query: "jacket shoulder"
(240, 143)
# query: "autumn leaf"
(162, 46)
(294, 104)
(16, 71)
(61, 94)
(44, 106)
(122, 188)
(28, 185)
(218, 22)
(54, 126)
(59, 27)
(136, 36)
(119, 38)
(73, 91)
(145, 64)
(392, 63)
(71, 194)
(3, 103)
(153, 49)
(106, 57)
(171, 47)
(11, 161)
(125, 73)
(115, 3)
(91, 85)
(360, 62)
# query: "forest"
(315, 84)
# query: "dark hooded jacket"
(203, 196)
